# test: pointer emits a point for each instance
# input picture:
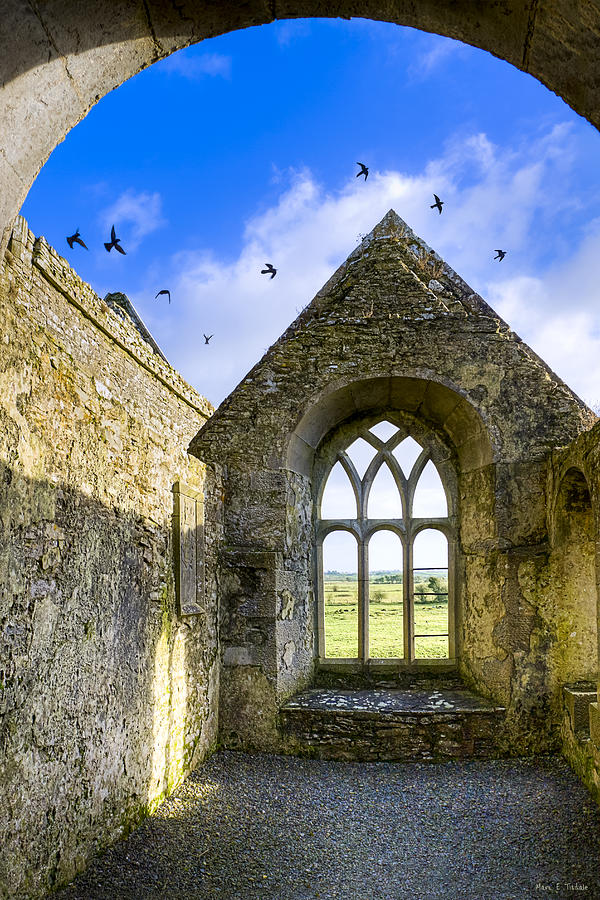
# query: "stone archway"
(55, 64)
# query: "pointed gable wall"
(394, 308)
(394, 329)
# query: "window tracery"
(394, 481)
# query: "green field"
(385, 622)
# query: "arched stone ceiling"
(59, 57)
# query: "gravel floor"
(275, 827)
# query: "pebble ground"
(279, 828)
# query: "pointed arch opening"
(339, 498)
(383, 500)
(429, 498)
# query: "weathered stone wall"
(266, 602)
(504, 654)
(108, 697)
(394, 329)
(571, 590)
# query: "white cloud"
(291, 30)
(517, 199)
(439, 51)
(135, 215)
(192, 66)
(558, 314)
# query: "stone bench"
(392, 725)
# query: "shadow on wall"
(107, 698)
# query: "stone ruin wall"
(108, 696)
(378, 333)
(266, 602)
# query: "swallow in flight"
(269, 270)
(438, 204)
(114, 242)
(75, 239)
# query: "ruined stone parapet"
(109, 651)
(44, 259)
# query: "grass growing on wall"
(385, 621)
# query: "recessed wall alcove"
(452, 436)
(574, 570)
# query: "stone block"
(369, 725)
(300, 455)
(595, 723)
(577, 702)
(406, 393)
(374, 392)
(239, 656)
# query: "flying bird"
(114, 242)
(438, 204)
(168, 293)
(501, 255)
(75, 239)
(269, 270)
(363, 171)
(207, 338)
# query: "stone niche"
(108, 683)
(569, 609)
(394, 332)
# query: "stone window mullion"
(321, 648)
(363, 599)
(408, 595)
(363, 576)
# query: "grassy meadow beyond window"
(385, 615)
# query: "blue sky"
(243, 149)
(216, 130)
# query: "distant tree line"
(388, 578)
(433, 585)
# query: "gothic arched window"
(384, 537)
